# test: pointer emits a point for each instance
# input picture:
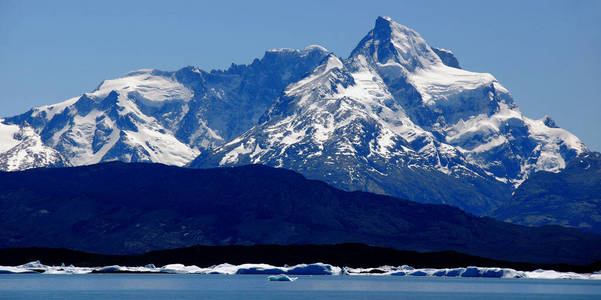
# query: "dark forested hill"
(123, 208)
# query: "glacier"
(323, 269)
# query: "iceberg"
(36, 267)
(314, 269)
(109, 269)
(281, 277)
(261, 269)
(16, 270)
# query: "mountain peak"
(392, 42)
(316, 48)
(383, 22)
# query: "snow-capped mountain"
(396, 117)
(393, 118)
(164, 117)
(21, 148)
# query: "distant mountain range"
(396, 117)
(156, 116)
(119, 208)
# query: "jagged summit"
(383, 19)
(390, 42)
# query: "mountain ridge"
(396, 117)
(167, 117)
(394, 111)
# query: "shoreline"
(314, 269)
(350, 255)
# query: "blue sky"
(547, 53)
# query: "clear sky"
(547, 53)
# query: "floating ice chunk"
(223, 269)
(281, 277)
(33, 265)
(181, 269)
(314, 269)
(418, 273)
(15, 270)
(109, 269)
(471, 272)
(451, 272)
(260, 269)
(301, 269)
(398, 273)
(265, 269)
(550, 274)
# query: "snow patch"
(152, 89)
(7, 136)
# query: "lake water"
(172, 286)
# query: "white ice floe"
(281, 278)
(278, 273)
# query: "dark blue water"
(163, 286)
